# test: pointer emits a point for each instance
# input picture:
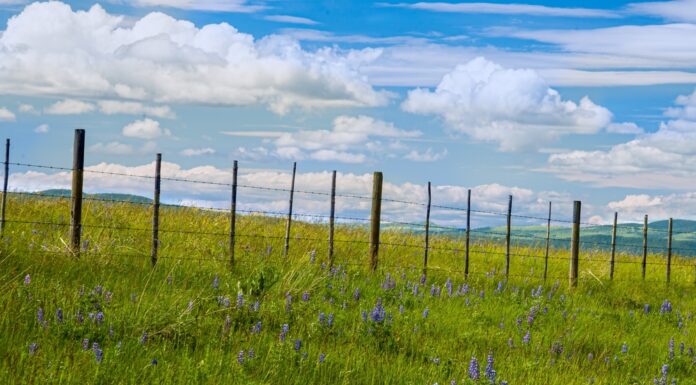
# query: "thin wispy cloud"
(505, 9)
(290, 19)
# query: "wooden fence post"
(427, 233)
(233, 212)
(645, 245)
(575, 245)
(375, 218)
(332, 219)
(669, 249)
(4, 187)
(155, 211)
(289, 222)
(468, 233)
(507, 239)
(548, 240)
(613, 246)
(76, 197)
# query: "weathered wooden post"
(645, 245)
(468, 233)
(4, 187)
(155, 211)
(507, 238)
(375, 218)
(669, 249)
(233, 212)
(289, 222)
(76, 192)
(332, 219)
(548, 241)
(427, 233)
(575, 245)
(613, 246)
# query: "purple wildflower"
(256, 306)
(425, 313)
(169, 280)
(153, 362)
(256, 328)
(283, 332)
(288, 302)
(305, 296)
(378, 313)
(59, 315)
(27, 280)
(99, 317)
(527, 337)
(474, 372)
(666, 307)
(624, 348)
(490, 372)
(312, 256)
(240, 301)
(422, 279)
(322, 357)
(143, 338)
(298, 345)
(33, 346)
(448, 286)
(98, 355)
(216, 282)
(85, 344)
(401, 309)
(228, 324)
(79, 317)
(356, 294)
(671, 348)
(40, 315)
(251, 354)
(330, 320)
(557, 348)
(415, 289)
(240, 357)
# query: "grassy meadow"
(109, 317)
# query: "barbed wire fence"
(374, 223)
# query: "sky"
(547, 101)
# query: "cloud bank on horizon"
(529, 101)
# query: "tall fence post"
(427, 232)
(233, 212)
(548, 241)
(575, 245)
(613, 246)
(289, 222)
(76, 195)
(507, 238)
(155, 211)
(645, 245)
(4, 187)
(468, 233)
(332, 219)
(669, 249)
(375, 218)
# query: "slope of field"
(109, 317)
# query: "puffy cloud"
(145, 129)
(634, 207)
(69, 107)
(427, 156)
(490, 198)
(197, 151)
(50, 49)
(677, 10)
(41, 129)
(27, 108)
(112, 148)
(7, 115)
(512, 107)
(113, 107)
(624, 128)
(662, 159)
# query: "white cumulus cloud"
(7, 115)
(49, 49)
(145, 129)
(69, 107)
(114, 107)
(197, 151)
(42, 129)
(514, 108)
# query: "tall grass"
(576, 335)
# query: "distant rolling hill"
(105, 196)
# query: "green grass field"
(207, 323)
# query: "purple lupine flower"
(590, 356)
(466, 301)
(490, 372)
(448, 286)
(474, 372)
(27, 280)
(364, 315)
(378, 313)
(519, 321)
(305, 296)
(425, 313)
(329, 321)
(226, 302)
(59, 315)
(99, 317)
(95, 346)
(433, 290)
(240, 301)
(415, 289)
(298, 344)
(40, 315)
(143, 338)
(665, 369)
(681, 348)
(98, 355)
(527, 337)
(153, 362)
(557, 348)
(283, 332)
(666, 307)
(256, 306)
(356, 294)
(401, 309)
(216, 282)
(33, 346)
(85, 344)
(482, 294)
(671, 348)
(269, 249)
(624, 348)
(79, 317)
(98, 289)
(499, 288)
(256, 328)
(422, 279)
(240, 357)
(322, 357)
(322, 317)
(251, 354)
(312, 256)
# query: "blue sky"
(547, 100)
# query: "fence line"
(76, 226)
